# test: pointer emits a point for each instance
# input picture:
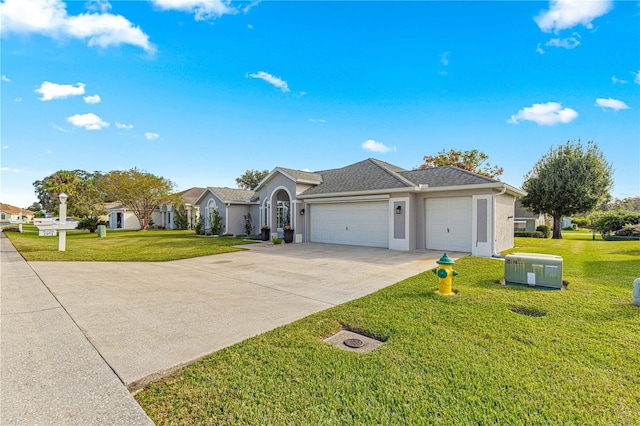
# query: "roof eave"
(493, 185)
(356, 193)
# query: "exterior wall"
(235, 214)
(254, 210)
(157, 218)
(504, 226)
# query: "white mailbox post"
(20, 221)
(62, 238)
(50, 227)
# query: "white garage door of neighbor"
(449, 223)
(356, 224)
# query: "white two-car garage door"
(449, 223)
(356, 224)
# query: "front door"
(482, 236)
(283, 217)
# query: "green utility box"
(543, 270)
(102, 231)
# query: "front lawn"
(131, 246)
(467, 359)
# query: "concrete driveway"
(147, 319)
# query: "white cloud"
(58, 128)
(614, 104)
(547, 114)
(636, 79)
(18, 99)
(273, 80)
(539, 49)
(51, 91)
(88, 121)
(565, 43)
(50, 18)
(317, 120)
(372, 145)
(616, 80)
(92, 99)
(124, 126)
(444, 58)
(5, 147)
(6, 79)
(563, 14)
(202, 9)
(151, 136)
(7, 169)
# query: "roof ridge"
(382, 164)
(474, 173)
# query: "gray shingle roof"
(445, 176)
(191, 195)
(230, 195)
(367, 175)
(300, 175)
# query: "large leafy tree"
(85, 199)
(472, 160)
(251, 178)
(568, 180)
(139, 191)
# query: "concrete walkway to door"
(147, 319)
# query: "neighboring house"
(567, 223)
(9, 213)
(525, 220)
(232, 205)
(187, 199)
(120, 217)
(374, 203)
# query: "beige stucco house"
(374, 203)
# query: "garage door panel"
(448, 223)
(362, 223)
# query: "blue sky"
(200, 91)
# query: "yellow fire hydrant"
(445, 274)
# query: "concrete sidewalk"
(50, 373)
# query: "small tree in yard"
(248, 226)
(566, 181)
(180, 218)
(139, 191)
(215, 222)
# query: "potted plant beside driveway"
(265, 233)
(288, 234)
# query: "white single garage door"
(448, 223)
(356, 224)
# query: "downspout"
(226, 219)
(494, 220)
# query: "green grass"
(466, 359)
(156, 246)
